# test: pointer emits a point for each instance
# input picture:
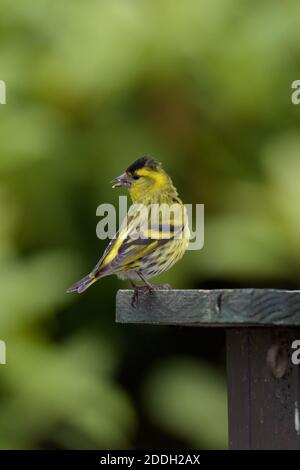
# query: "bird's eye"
(135, 177)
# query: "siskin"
(153, 236)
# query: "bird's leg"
(148, 287)
(145, 280)
(152, 287)
(137, 290)
(140, 289)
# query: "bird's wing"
(133, 241)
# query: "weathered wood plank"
(261, 324)
(219, 308)
(263, 410)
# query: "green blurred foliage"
(188, 399)
(205, 88)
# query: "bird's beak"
(123, 180)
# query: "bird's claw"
(162, 287)
(137, 291)
(146, 290)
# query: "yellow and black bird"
(153, 236)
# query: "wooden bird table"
(262, 327)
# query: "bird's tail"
(83, 284)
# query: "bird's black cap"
(141, 163)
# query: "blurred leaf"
(188, 398)
(31, 289)
(63, 392)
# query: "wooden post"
(263, 389)
(261, 325)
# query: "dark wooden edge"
(212, 308)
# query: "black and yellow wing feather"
(129, 247)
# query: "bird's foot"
(162, 287)
(138, 290)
